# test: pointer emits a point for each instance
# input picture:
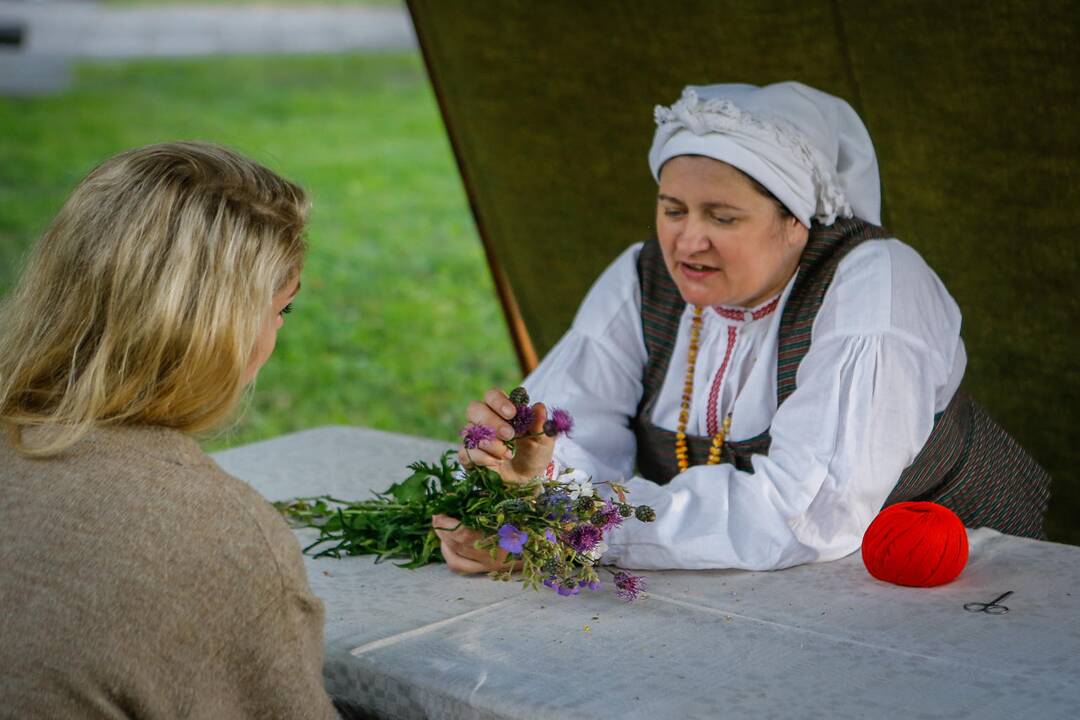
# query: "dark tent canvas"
(971, 106)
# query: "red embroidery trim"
(550, 472)
(739, 315)
(766, 308)
(712, 411)
(714, 391)
(729, 313)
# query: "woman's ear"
(795, 233)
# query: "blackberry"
(584, 505)
(554, 567)
(519, 396)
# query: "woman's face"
(724, 242)
(273, 319)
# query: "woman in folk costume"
(774, 366)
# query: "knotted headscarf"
(809, 148)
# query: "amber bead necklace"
(681, 452)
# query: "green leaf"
(411, 490)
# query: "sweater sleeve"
(271, 664)
(275, 663)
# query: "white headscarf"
(809, 148)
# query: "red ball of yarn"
(919, 544)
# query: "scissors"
(990, 608)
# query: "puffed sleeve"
(595, 372)
(885, 354)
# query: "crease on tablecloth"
(479, 684)
(836, 638)
(430, 627)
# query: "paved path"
(90, 30)
(55, 32)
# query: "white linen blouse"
(885, 356)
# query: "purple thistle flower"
(628, 586)
(474, 434)
(523, 419)
(584, 537)
(511, 539)
(560, 423)
(594, 585)
(550, 535)
(607, 517)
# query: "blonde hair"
(143, 301)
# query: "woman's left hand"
(458, 545)
(532, 452)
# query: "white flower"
(581, 489)
(596, 552)
(577, 483)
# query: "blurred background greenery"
(398, 324)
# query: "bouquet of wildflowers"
(551, 528)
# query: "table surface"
(824, 640)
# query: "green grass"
(398, 325)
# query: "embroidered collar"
(738, 314)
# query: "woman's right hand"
(458, 546)
(531, 454)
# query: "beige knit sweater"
(139, 580)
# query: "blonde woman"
(137, 579)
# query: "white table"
(818, 641)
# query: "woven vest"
(968, 464)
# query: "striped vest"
(968, 464)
